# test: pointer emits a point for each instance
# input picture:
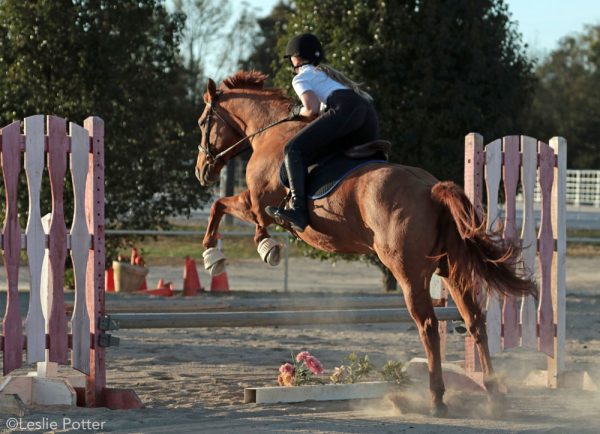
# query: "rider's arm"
(311, 104)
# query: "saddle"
(369, 149)
(325, 175)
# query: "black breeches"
(350, 120)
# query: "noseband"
(206, 149)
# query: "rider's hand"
(295, 112)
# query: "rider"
(349, 119)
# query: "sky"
(544, 22)
(541, 22)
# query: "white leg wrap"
(269, 251)
(214, 261)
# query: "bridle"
(210, 157)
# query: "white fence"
(583, 188)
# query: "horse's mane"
(245, 80)
(254, 80)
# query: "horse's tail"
(473, 254)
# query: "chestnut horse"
(411, 221)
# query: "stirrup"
(273, 211)
(282, 215)
(276, 214)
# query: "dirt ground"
(192, 380)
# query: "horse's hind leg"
(418, 301)
(414, 276)
(421, 309)
(475, 322)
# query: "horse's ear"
(211, 90)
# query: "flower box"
(327, 392)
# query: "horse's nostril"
(203, 175)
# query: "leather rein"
(212, 159)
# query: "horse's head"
(241, 103)
(219, 135)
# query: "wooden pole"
(200, 303)
(271, 319)
(94, 209)
(556, 364)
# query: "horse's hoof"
(214, 261)
(440, 410)
(269, 251)
(498, 405)
(274, 256)
(459, 327)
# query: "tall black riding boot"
(297, 213)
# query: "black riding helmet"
(306, 46)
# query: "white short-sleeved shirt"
(310, 78)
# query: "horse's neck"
(257, 114)
(267, 147)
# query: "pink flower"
(314, 365)
(302, 356)
(287, 368)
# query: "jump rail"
(207, 304)
(271, 319)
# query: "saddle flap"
(369, 149)
(328, 173)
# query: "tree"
(567, 98)
(120, 61)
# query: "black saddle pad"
(327, 174)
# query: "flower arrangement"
(356, 369)
(393, 372)
(305, 369)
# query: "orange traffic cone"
(109, 280)
(191, 281)
(163, 289)
(219, 283)
(144, 285)
(140, 262)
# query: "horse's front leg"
(240, 207)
